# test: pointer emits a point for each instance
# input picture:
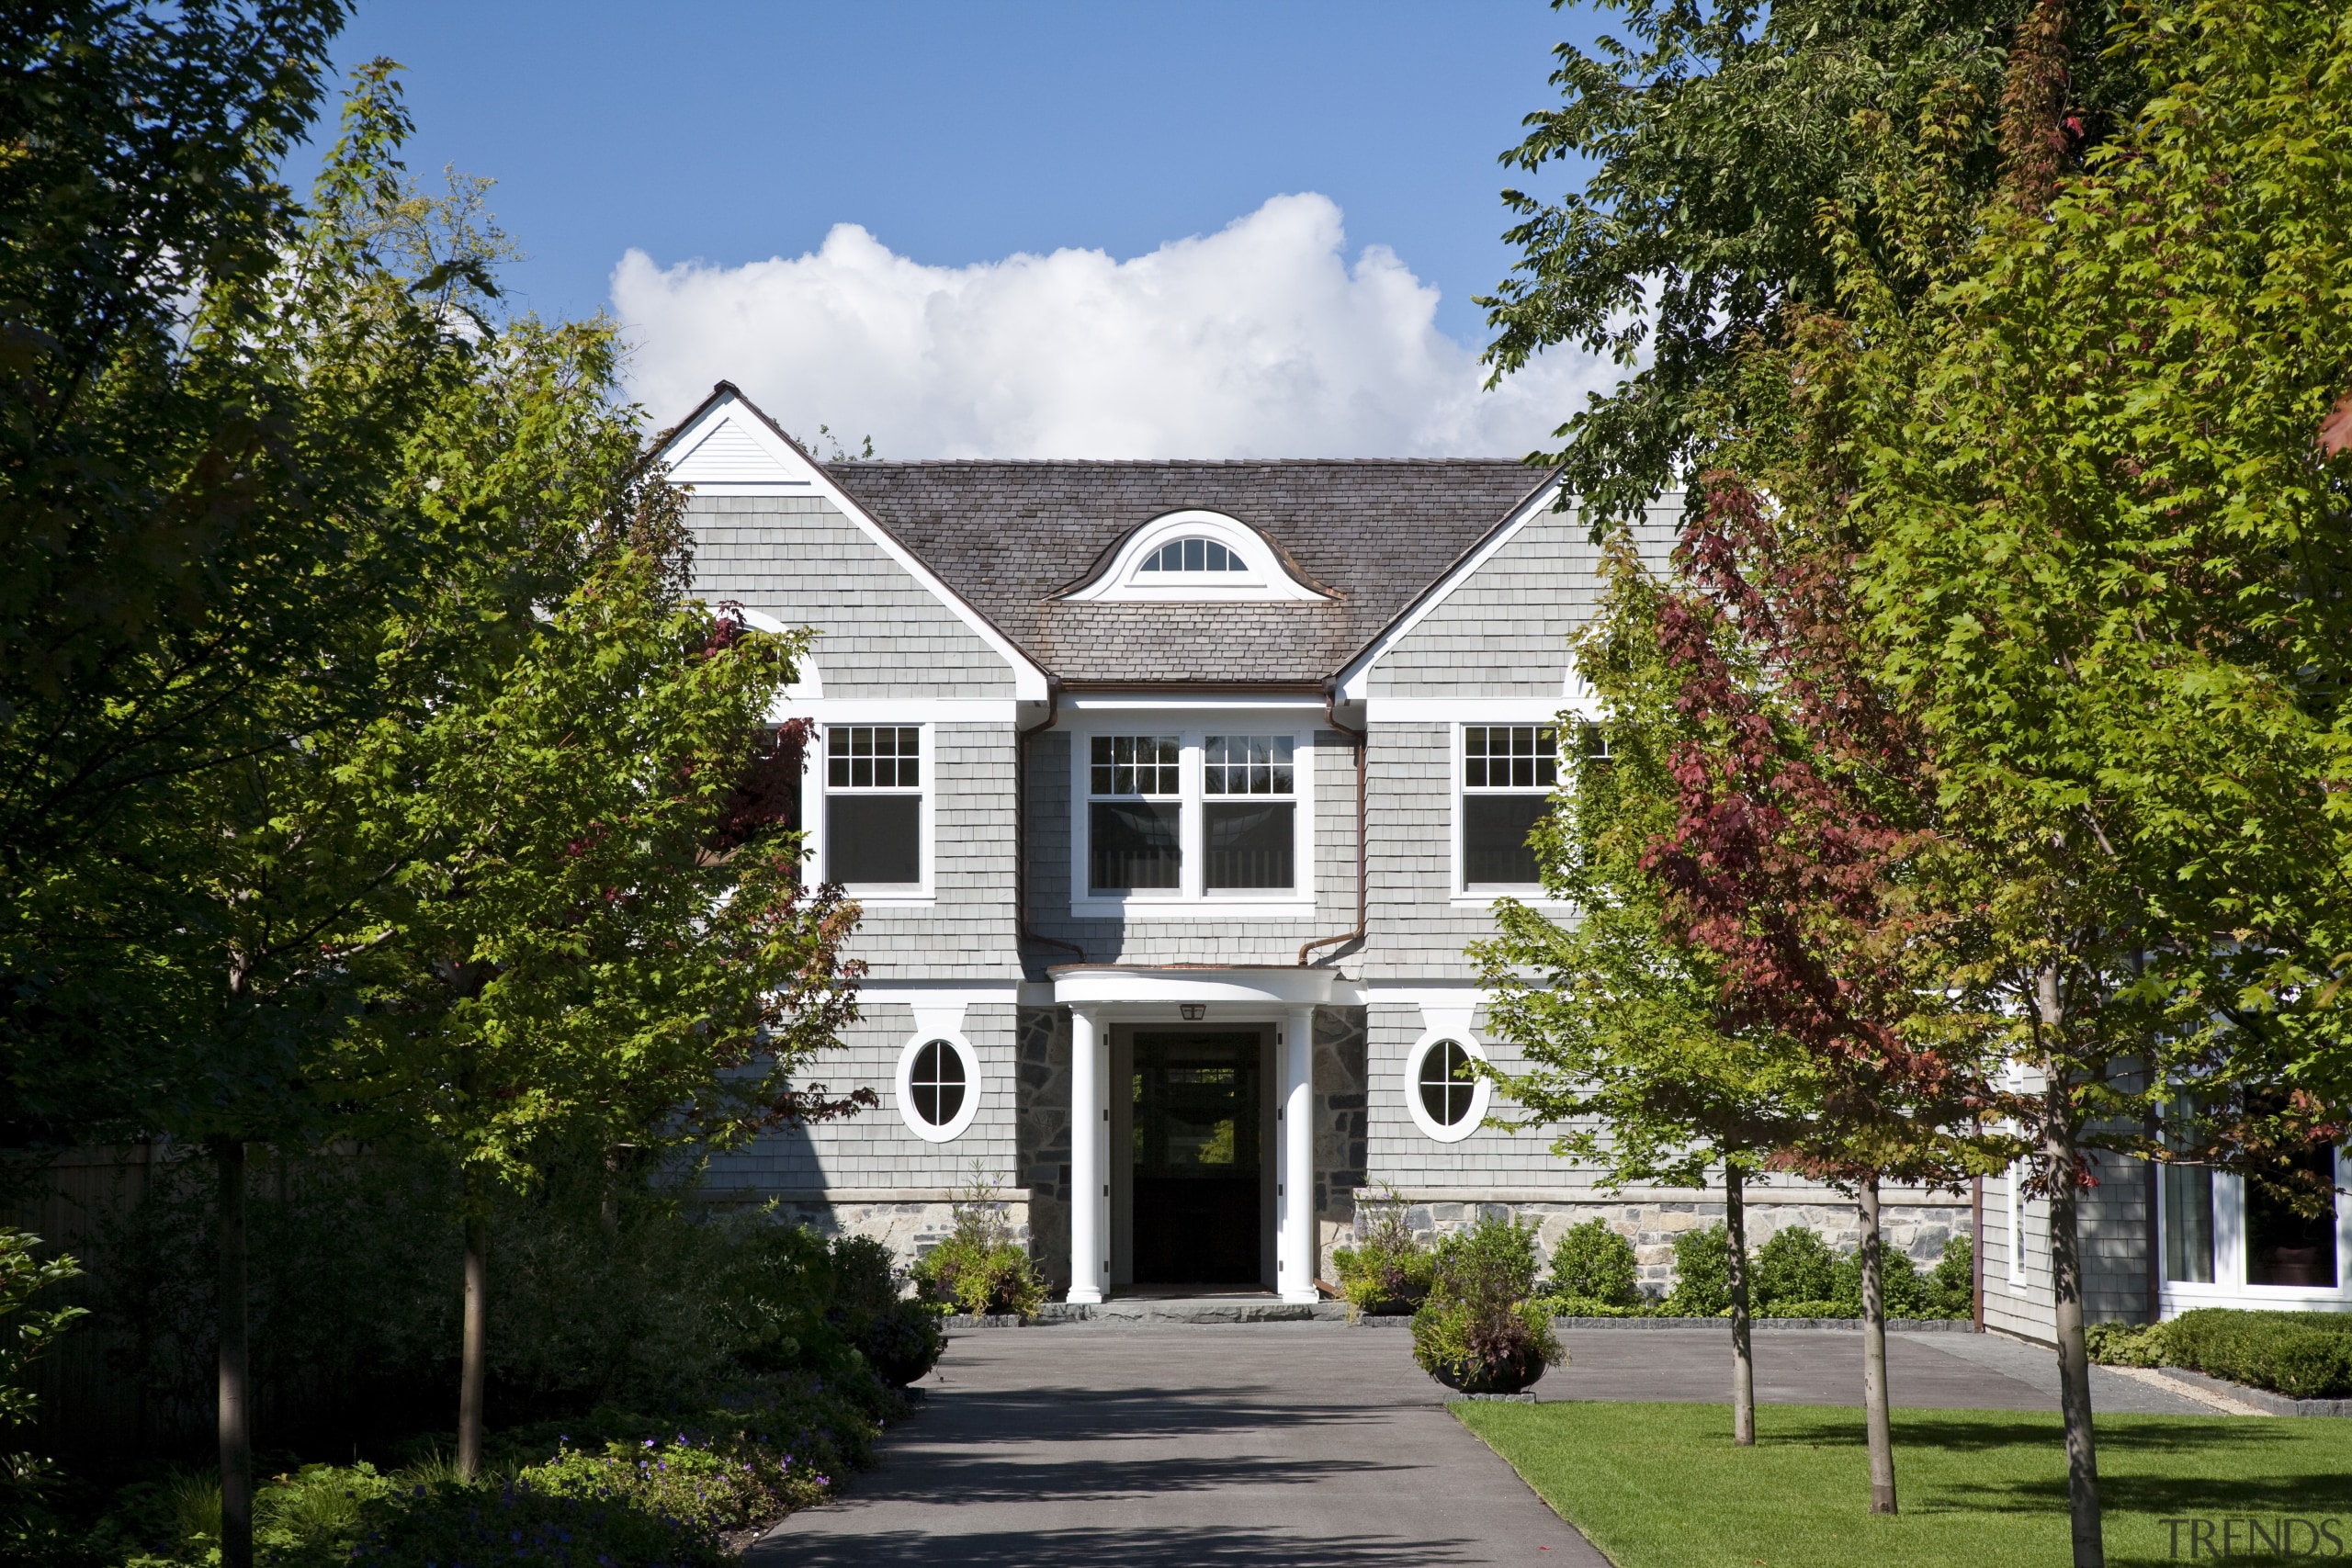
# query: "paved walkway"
(1308, 1445)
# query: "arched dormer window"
(1194, 555)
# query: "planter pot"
(1501, 1377)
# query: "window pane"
(1196, 555)
(2284, 1247)
(1445, 1095)
(937, 1083)
(1134, 764)
(1249, 846)
(1513, 756)
(1130, 845)
(2188, 1223)
(874, 840)
(1248, 765)
(1494, 851)
(865, 756)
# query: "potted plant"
(1388, 1272)
(978, 1268)
(1479, 1330)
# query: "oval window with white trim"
(1446, 1099)
(939, 1085)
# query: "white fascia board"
(1200, 701)
(1354, 682)
(888, 710)
(1475, 710)
(798, 474)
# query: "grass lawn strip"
(1661, 1485)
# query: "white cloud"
(1262, 340)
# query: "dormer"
(1192, 556)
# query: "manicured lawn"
(1661, 1486)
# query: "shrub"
(1902, 1291)
(1702, 1273)
(1388, 1270)
(1951, 1283)
(979, 1269)
(899, 1339)
(2129, 1345)
(2303, 1355)
(1594, 1263)
(1823, 1308)
(1794, 1265)
(1478, 1330)
(1585, 1306)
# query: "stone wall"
(909, 1229)
(1041, 1072)
(1341, 1127)
(1921, 1229)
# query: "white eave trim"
(798, 474)
(1354, 683)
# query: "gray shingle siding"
(966, 932)
(881, 633)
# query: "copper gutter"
(1363, 852)
(1021, 931)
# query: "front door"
(1198, 1138)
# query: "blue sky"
(713, 136)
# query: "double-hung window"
(874, 792)
(1509, 772)
(1249, 818)
(1200, 819)
(1135, 813)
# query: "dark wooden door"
(1197, 1167)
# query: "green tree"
(1714, 134)
(1631, 1049)
(608, 946)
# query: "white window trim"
(1460, 898)
(2016, 1226)
(815, 787)
(1191, 901)
(1479, 1095)
(955, 1125)
(2229, 1287)
(1264, 578)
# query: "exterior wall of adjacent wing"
(2114, 1236)
(882, 632)
(863, 1156)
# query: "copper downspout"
(1363, 852)
(1021, 931)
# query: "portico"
(1105, 1000)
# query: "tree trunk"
(236, 1434)
(1743, 1359)
(2074, 1358)
(1874, 1412)
(476, 1333)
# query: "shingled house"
(1172, 793)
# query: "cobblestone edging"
(2260, 1399)
(1832, 1324)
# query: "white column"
(1088, 1170)
(1296, 1201)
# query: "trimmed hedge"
(2303, 1355)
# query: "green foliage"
(2303, 1355)
(1388, 1272)
(978, 1268)
(1594, 1263)
(1702, 1273)
(1794, 1265)
(27, 1527)
(1951, 1283)
(1479, 1328)
(1685, 239)
(1902, 1290)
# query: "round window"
(1446, 1097)
(938, 1086)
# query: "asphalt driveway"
(1302, 1444)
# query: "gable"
(727, 448)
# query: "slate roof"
(1009, 537)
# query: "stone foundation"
(910, 1228)
(1919, 1229)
